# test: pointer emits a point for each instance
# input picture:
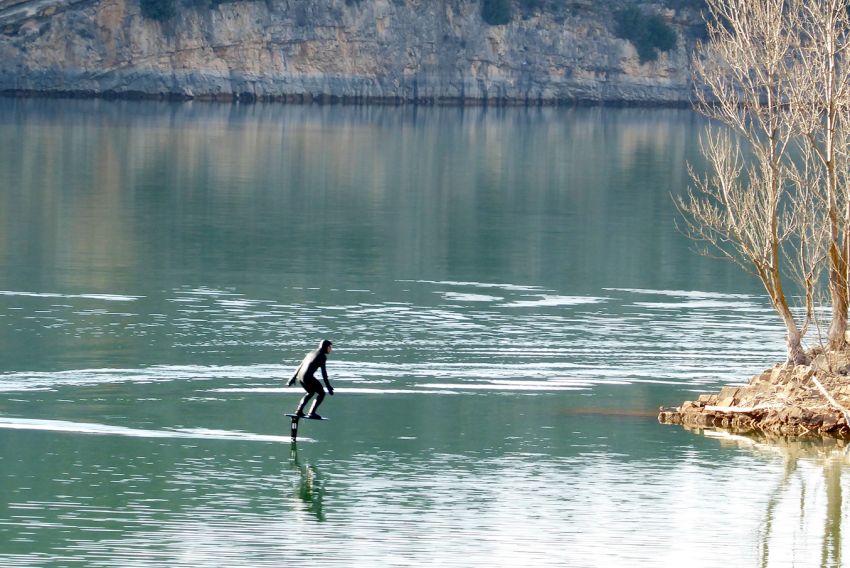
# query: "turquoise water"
(509, 300)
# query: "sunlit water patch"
(621, 338)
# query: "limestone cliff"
(371, 50)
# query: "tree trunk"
(796, 355)
(838, 326)
(840, 291)
(829, 23)
(793, 339)
(838, 294)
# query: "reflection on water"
(250, 194)
(509, 302)
(311, 489)
(809, 488)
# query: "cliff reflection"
(804, 511)
(104, 192)
(286, 202)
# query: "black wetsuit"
(304, 374)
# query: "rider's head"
(326, 346)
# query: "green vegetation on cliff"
(158, 9)
(649, 33)
(493, 12)
(497, 12)
(166, 9)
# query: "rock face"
(429, 51)
(797, 401)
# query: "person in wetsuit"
(304, 374)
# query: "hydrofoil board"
(305, 417)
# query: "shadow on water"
(798, 491)
(311, 485)
(589, 411)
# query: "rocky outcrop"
(428, 51)
(804, 400)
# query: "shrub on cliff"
(660, 34)
(556, 9)
(158, 9)
(496, 12)
(529, 7)
(686, 4)
(166, 9)
(648, 33)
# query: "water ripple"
(696, 338)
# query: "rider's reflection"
(311, 485)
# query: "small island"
(798, 400)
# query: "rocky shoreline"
(330, 99)
(799, 401)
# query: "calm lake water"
(509, 300)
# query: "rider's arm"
(294, 376)
(327, 382)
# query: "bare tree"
(736, 213)
(744, 208)
(806, 248)
(820, 99)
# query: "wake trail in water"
(111, 430)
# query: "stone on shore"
(803, 400)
